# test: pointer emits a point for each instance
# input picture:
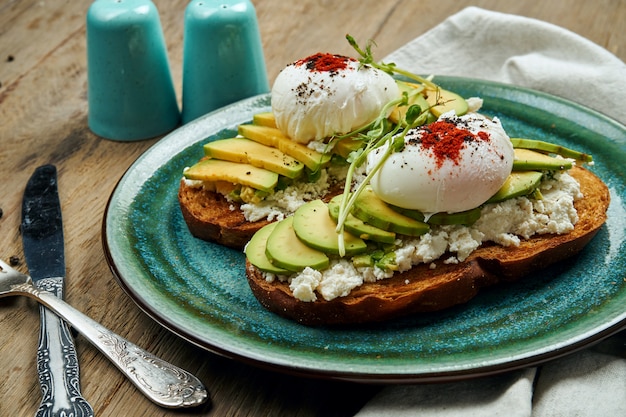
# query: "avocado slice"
(519, 183)
(357, 227)
(541, 146)
(314, 226)
(285, 250)
(382, 260)
(255, 251)
(371, 209)
(526, 160)
(398, 113)
(247, 151)
(273, 137)
(264, 119)
(442, 101)
(233, 172)
(466, 218)
(346, 146)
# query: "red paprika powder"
(445, 140)
(325, 62)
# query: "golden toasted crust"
(211, 217)
(422, 289)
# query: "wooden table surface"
(43, 119)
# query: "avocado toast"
(340, 256)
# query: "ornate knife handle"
(162, 382)
(57, 367)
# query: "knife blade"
(42, 239)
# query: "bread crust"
(209, 216)
(423, 289)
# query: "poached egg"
(454, 164)
(326, 94)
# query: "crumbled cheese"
(463, 241)
(193, 183)
(428, 248)
(303, 285)
(503, 223)
(318, 146)
(339, 280)
(474, 104)
(268, 276)
(404, 257)
(285, 202)
(372, 274)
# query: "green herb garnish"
(378, 133)
(367, 58)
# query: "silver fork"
(160, 381)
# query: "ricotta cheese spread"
(285, 202)
(502, 223)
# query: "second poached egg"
(454, 164)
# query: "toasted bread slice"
(423, 289)
(209, 216)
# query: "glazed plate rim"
(128, 265)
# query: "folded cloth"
(478, 43)
(585, 384)
(507, 395)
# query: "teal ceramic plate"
(198, 290)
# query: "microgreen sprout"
(378, 133)
(367, 58)
(394, 140)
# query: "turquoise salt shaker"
(130, 90)
(223, 56)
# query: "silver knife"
(42, 236)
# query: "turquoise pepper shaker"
(223, 56)
(130, 90)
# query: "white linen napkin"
(478, 43)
